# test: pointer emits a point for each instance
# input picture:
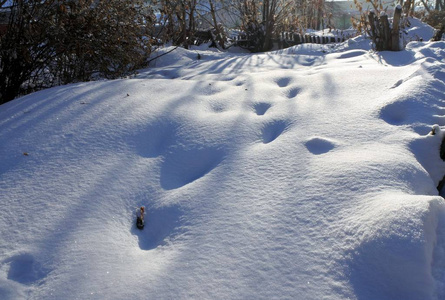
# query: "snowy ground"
(305, 173)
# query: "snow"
(303, 173)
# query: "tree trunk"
(426, 6)
(218, 34)
(184, 27)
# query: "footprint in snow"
(261, 108)
(318, 145)
(283, 82)
(25, 269)
(293, 92)
(396, 113)
(271, 131)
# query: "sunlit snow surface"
(304, 173)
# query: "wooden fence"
(288, 39)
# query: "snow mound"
(309, 171)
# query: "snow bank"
(297, 173)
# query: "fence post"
(386, 33)
(395, 35)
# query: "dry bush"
(56, 42)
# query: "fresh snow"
(303, 173)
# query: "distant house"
(343, 10)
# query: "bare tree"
(261, 19)
(219, 34)
(59, 41)
(179, 18)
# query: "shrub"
(435, 18)
(55, 42)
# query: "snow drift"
(305, 173)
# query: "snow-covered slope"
(306, 173)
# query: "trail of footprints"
(183, 164)
(184, 161)
(290, 92)
(273, 129)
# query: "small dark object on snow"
(140, 223)
(140, 217)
